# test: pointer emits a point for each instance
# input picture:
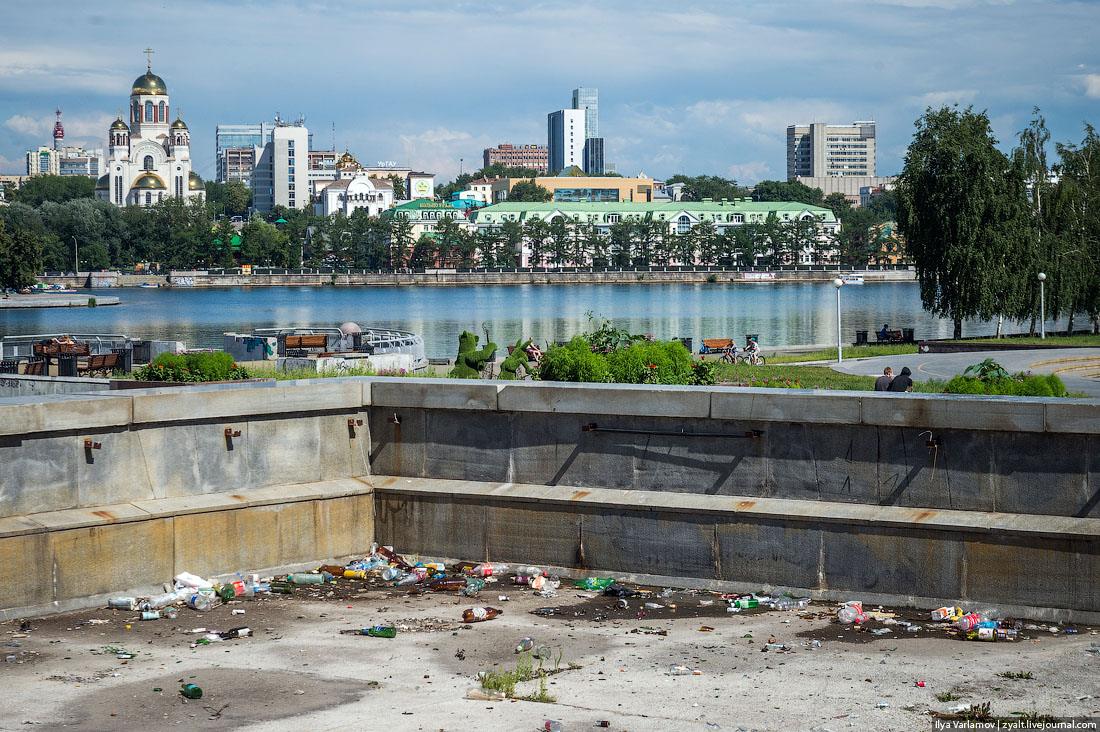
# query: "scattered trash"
(594, 583)
(480, 614)
(379, 631)
(525, 644)
(551, 725)
(681, 670)
(476, 692)
(851, 612)
(191, 691)
(705, 629)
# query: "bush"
(192, 367)
(637, 362)
(575, 361)
(1021, 384)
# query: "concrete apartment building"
(819, 150)
(280, 176)
(565, 136)
(516, 156)
(572, 188)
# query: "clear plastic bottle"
(851, 614)
(488, 570)
(525, 644)
(681, 670)
(201, 602)
(551, 725)
(162, 600)
(391, 573)
(122, 603)
(308, 578)
(970, 621)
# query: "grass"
(829, 354)
(1086, 339)
(1016, 675)
(947, 696)
(804, 377)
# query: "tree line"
(981, 225)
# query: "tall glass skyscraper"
(588, 100)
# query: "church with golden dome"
(149, 159)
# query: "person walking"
(882, 383)
(902, 382)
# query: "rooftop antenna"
(334, 134)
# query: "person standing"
(902, 382)
(882, 383)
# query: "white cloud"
(1092, 85)
(752, 172)
(941, 98)
(439, 150)
(26, 125)
(34, 68)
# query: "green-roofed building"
(423, 214)
(679, 218)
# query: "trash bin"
(907, 335)
(66, 364)
(125, 359)
(687, 343)
(861, 338)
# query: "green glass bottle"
(282, 588)
(191, 691)
(379, 631)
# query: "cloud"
(942, 98)
(34, 68)
(26, 125)
(439, 150)
(752, 172)
(1092, 85)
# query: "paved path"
(1079, 368)
(54, 301)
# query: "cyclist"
(729, 353)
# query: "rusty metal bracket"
(395, 419)
(747, 435)
(230, 433)
(352, 424)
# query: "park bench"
(35, 368)
(9, 366)
(301, 344)
(716, 345)
(102, 363)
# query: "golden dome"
(103, 184)
(148, 179)
(118, 124)
(347, 160)
(194, 182)
(178, 125)
(149, 83)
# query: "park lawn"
(804, 377)
(829, 354)
(1088, 339)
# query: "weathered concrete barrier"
(918, 499)
(16, 385)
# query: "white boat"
(148, 284)
(852, 279)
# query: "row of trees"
(981, 225)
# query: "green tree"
(537, 234)
(708, 186)
(856, 241)
(263, 244)
(398, 186)
(960, 210)
(1073, 213)
(773, 190)
(512, 233)
(839, 204)
(530, 192)
(238, 198)
(20, 257)
(56, 188)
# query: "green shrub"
(1021, 384)
(192, 367)
(575, 361)
(650, 362)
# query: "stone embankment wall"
(199, 278)
(918, 499)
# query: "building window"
(147, 164)
(148, 196)
(148, 112)
(162, 113)
(613, 218)
(683, 225)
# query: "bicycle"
(750, 359)
(728, 356)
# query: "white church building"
(149, 159)
(353, 189)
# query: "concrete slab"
(433, 393)
(780, 405)
(204, 403)
(604, 399)
(957, 411)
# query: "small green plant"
(91, 302)
(500, 680)
(948, 696)
(525, 666)
(979, 712)
(1016, 675)
(543, 694)
(986, 370)
(641, 277)
(192, 368)
(1035, 716)
(712, 278)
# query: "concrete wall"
(832, 493)
(15, 385)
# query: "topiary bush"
(636, 362)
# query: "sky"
(686, 87)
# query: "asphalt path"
(1073, 365)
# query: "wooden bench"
(716, 345)
(35, 368)
(103, 363)
(299, 342)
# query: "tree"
(960, 210)
(1073, 214)
(398, 186)
(238, 198)
(537, 233)
(20, 257)
(708, 186)
(56, 188)
(838, 203)
(773, 190)
(529, 191)
(263, 244)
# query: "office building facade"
(565, 139)
(593, 156)
(280, 176)
(819, 150)
(516, 156)
(588, 99)
(238, 138)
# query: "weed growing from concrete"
(948, 696)
(1016, 675)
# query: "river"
(782, 314)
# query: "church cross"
(148, 58)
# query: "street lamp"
(1042, 277)
(76, 256)
(838, 283)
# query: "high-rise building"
(280, 174)
(565, 139)
(237, 138)
(588, 99)
(516, 156)
(66, 161)
(593, 156)
(819, 150)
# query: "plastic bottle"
(379, 631)
(393, 558)
(551, 725)
(533, 572)
(851, 614)
(488, 570)
(191, 691)
(355, 574)
(476, 692)
(969, 621)
(447, 584)
(333, 569)
(594, 583)
(681, 670)
(473, 586)
(201, 602)
(308, 578)
(525, 644)
(412, 577)
(391, 573)
(744, 603)
(479, 614)
(260, 588)
(162, 600)
(186, 579)
(123, 603)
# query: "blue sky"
(692, 87)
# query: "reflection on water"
(783, 314)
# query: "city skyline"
(709, 88)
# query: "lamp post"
(838, 283)
(1042, 277)
(76, 256)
